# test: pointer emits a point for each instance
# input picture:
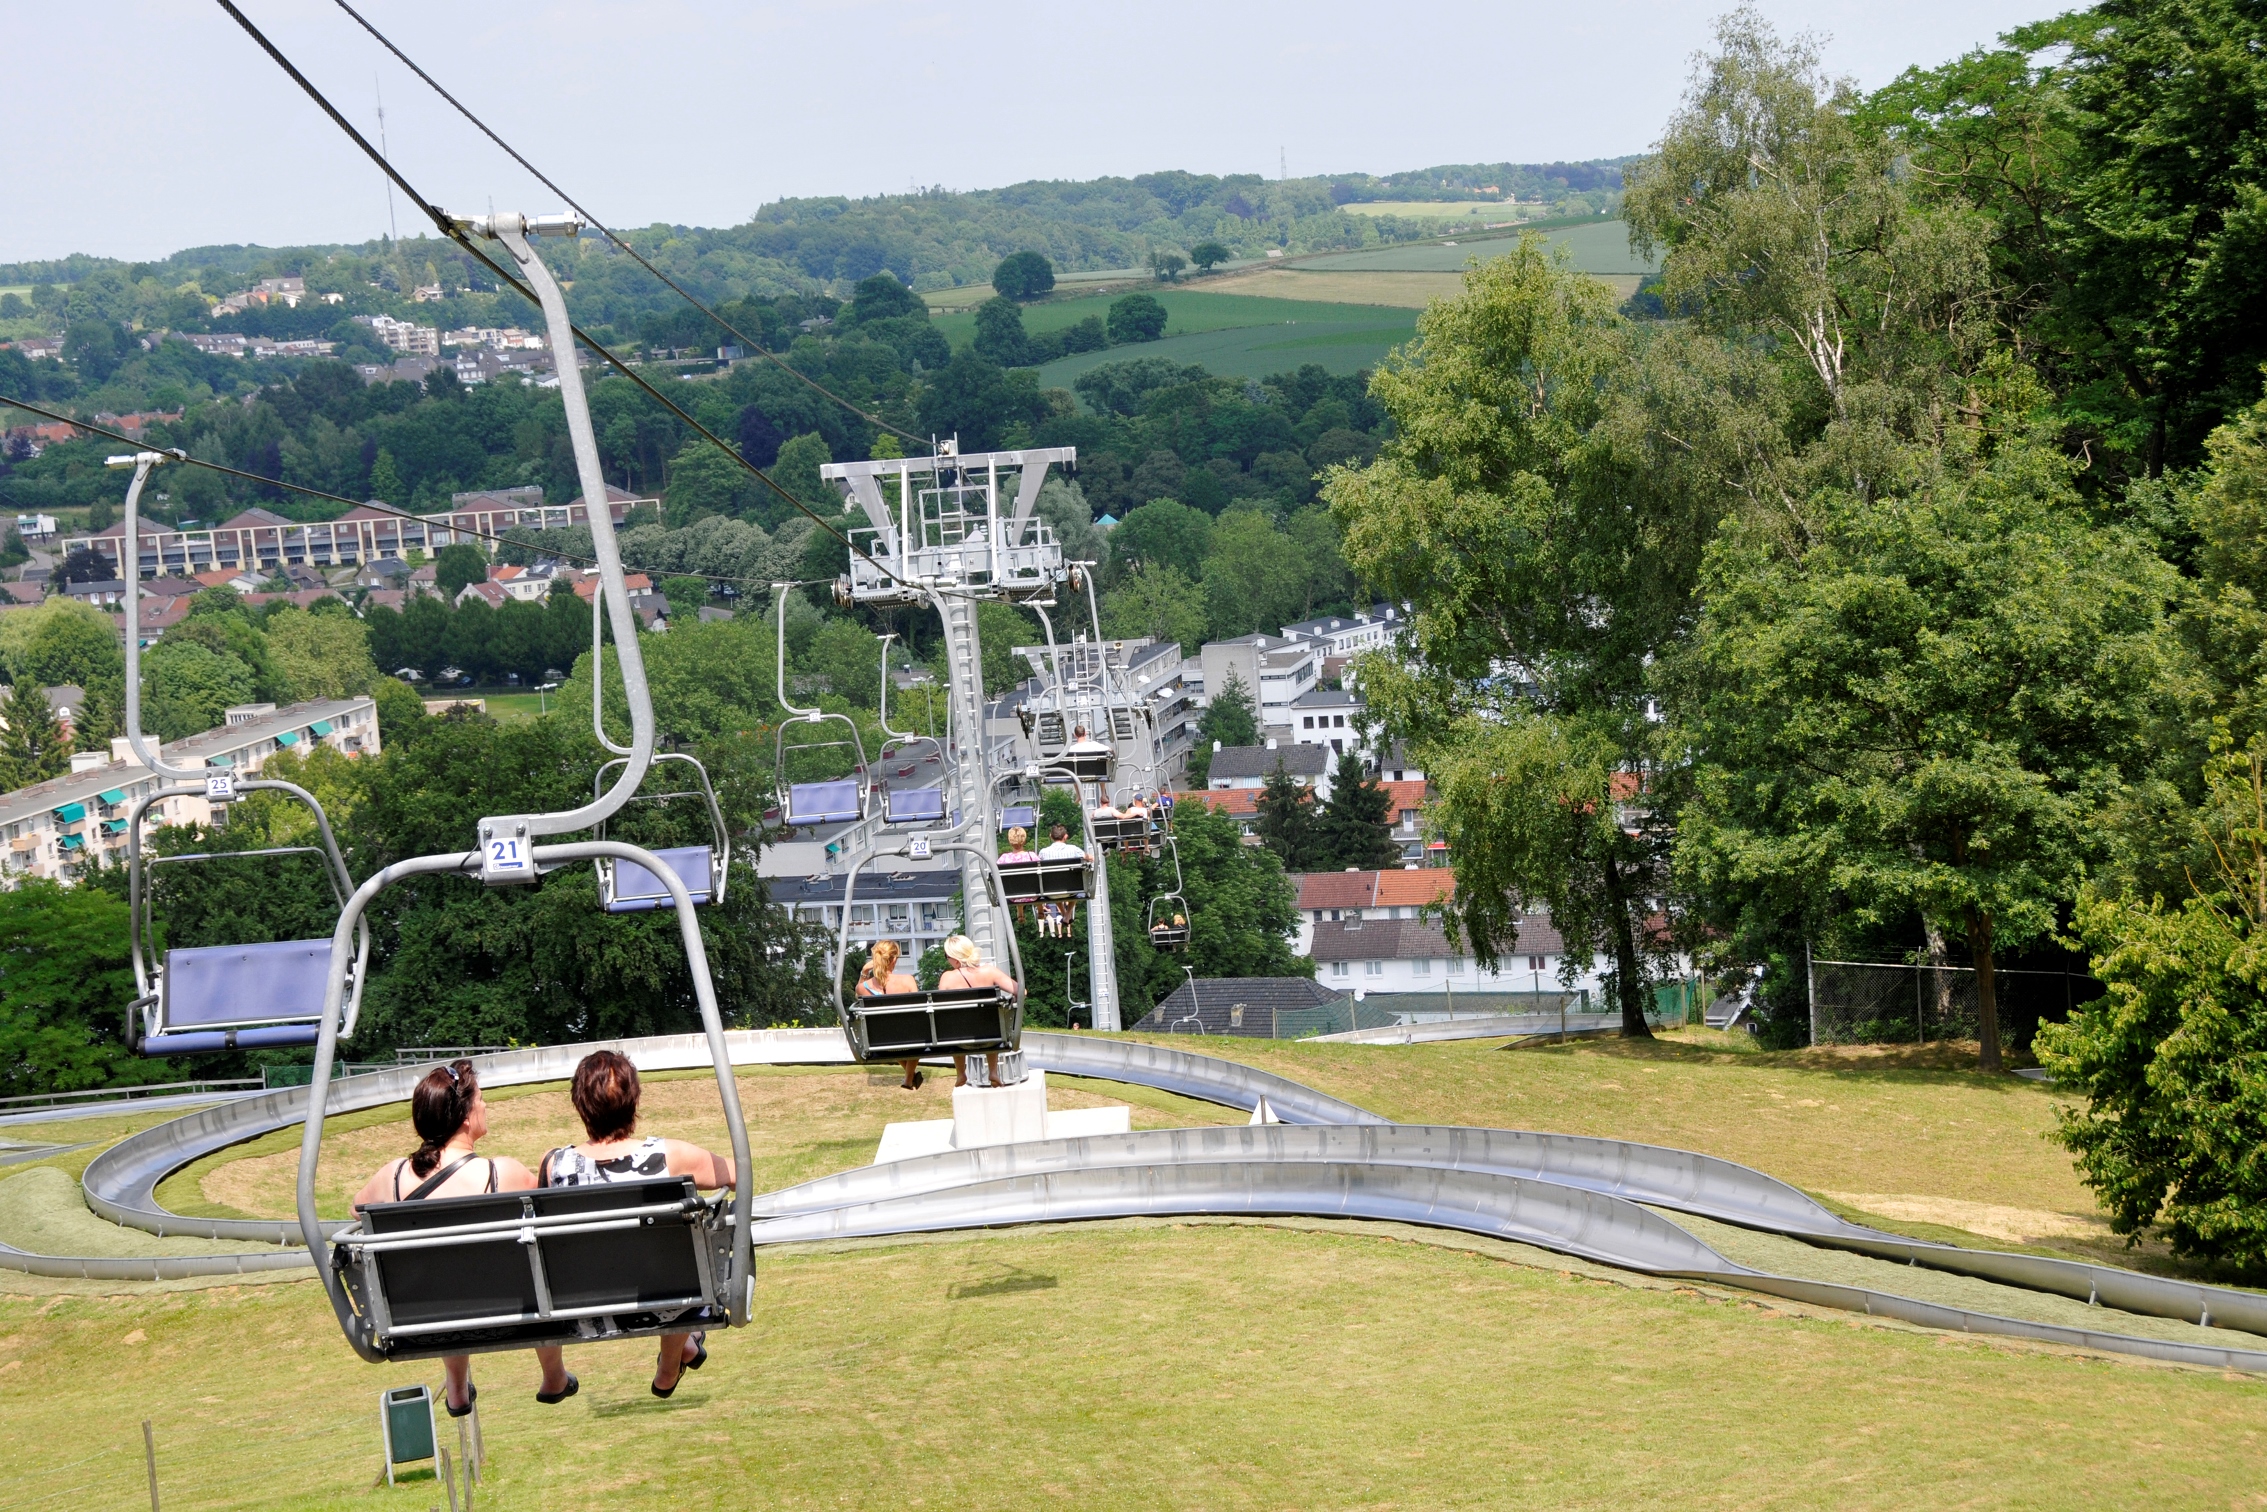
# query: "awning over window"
(288, 738)
(319, 728)
(72, 842)
(71, 813)
(220, 761)
(115, 795)
(114, 826)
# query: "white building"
(1274, 671)
(1330, 717)
(51, 827)
(1410, 954)
(1349, 635)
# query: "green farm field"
(1594, 247)
(1198, 1363)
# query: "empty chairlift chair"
(837, 800)
(264, 995)
(924, 805)
(627, 887)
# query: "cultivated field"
(1479, 210)
(1197, 1363)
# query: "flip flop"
(553, 1399)
(471, 1395)
(698, 1357)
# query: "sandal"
(554, 1398)
(915, 1084)
(471, 1395)
(698, 1357)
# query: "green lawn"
(1600, 247)
(1196, 1363)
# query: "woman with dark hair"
(605, 1094)
(451, 1117)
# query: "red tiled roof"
(1242, 802)
(1432, 884)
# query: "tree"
(386, 483)
(1287, 823)
(1162, 533)
(1242, 910)
(1529, 527)
(2169, 1060)
(1934, 706)
(1230, 719)
(1158, 602)
(1024, 275)
(64, 977)
(703, 481)
(999, 332)
(81, 565)
(797, 471)
(320, 655)
(884, 297)
(972, 398)
(1136, 317)
(1208, 255)
(60, 640)
(455, 566)
(1000, 628)
(1166, 266)
(1355, 825)
(1253, 577)
(33, 746)
(191, 686)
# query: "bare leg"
(669, 1368)
(458, 1371)
(554, 1362)
(992, 1064)
(960, 1070)
(912, 1074)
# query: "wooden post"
(449, 1479)
(149, 1453)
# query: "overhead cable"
(572, 203)
(449, 228)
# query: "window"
(1340, 968)
(1310, 722)
(1373, 968)
(1406, 911)
(1318, 916)
(1538, 963)
(1456, 965)
(1421, 966)
(1338, 721)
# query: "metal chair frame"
(719, 851)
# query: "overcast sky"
(138, 127)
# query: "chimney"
(1271, 742)
(88, 761)
(1216, 747)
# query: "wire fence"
(1897, 1003)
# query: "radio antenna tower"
(392, 225)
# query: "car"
(905, 771)
(931, 759)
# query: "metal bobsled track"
(1584, 1197)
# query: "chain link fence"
(1896, 1003)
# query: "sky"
(140, 127)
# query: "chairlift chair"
(923, 805)
(840, 800)
(1164, 932)
(206, 999)
(1045, 881)
(626, 887)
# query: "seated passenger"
(969, 970)
(1019, 839)
(1178, 927)
(450, 1116)
(605, 1095)
(880, 976)
(1060, 848)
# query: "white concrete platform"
(995, 1116)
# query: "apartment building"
(1153, 751)
(1249, 767)
(917, 909)
(1412, 955)
(1342, 636)
(52, 828)
(1273, 670)
(1368, 896)
(261, 541)
(1332, 718)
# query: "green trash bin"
(405, 1416)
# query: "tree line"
(1893, 595)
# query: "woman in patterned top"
(605, 1095)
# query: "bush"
(1024, 275)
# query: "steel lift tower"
(953, 532)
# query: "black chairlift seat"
(1038, 880)
(555, 1265)
(1169, 936)
(911, 1025)
(1086, 761)
(1115, 832)
(924, 805)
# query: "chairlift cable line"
(604, 230)
(456, 233)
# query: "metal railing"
(1897, 1002)
(122, 1094)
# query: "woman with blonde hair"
(968, 970)
(880, 977)
(450, 1116)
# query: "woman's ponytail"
(438, 1109)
